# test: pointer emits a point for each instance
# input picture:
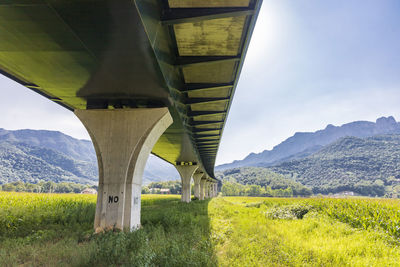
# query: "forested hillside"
(32, 156)
(367, 166)
(262, 177)
(303, 144)
(26, 163)
(78, 149)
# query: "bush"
(291, 212)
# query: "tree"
(48, 187)
(253, 190)
(8, 187)
(232, 189)
(145, 190)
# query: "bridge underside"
(105, 59)
(185, 55)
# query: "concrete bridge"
(143, 76)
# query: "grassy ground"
(244, 232)
(56, 230)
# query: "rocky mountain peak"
(330, 127)
(385, 122)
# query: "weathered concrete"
(186, 172)
(202, 188)
(197, 178)
(215, 189)
(207, 190)
(123, 140)
(212, 189)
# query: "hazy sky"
(310, 63)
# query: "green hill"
(263, 177)
(367, 166)
(27, 163)
(303, 144)
(39, 155)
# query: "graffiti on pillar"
(113, 199)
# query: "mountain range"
(303, 144)
(366, 166)
(41, 155)
(360, 156)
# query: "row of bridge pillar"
(123, 140)
(203, 188)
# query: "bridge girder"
(184, 55)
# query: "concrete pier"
(207, 190)
(215, 189)
(123, 140)
(202, 188)
(197, 178)
(186, 172)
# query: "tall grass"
(319, 239)
(366, 214)
(56, 230)
(24, 214)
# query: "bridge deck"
(183, 54)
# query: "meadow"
(56, 230)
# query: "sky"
(310, 63)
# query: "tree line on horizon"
(174, 187)
(256, 181)
(235, 189)
(45, 187)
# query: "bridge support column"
(123, 140)
(197, 178)
(202, 188)
(186, 172)
(207, 190)
(215, 189)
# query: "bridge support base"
(186, 172)
(202, 188)
(123, 140)
(211, 190)
(207, 190)
(215, 189)
(196, 178)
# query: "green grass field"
(56, 230)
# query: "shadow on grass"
(172, 234)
